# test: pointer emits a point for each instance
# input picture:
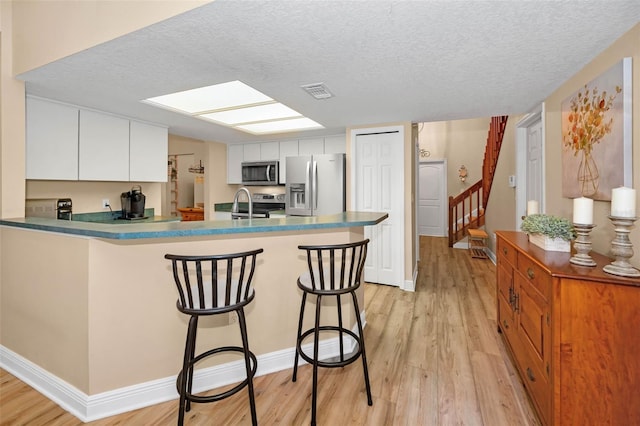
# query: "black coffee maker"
(133, 203)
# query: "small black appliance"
(133, 203)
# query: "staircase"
(467, 209)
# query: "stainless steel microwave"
(260, 173)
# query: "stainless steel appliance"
(260, 173)
(133, 204)
(262, 206)
(315, 185)
(53, 208)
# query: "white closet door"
(380, 188)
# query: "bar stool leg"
(316, 341)
(340, 334)
(186, 374)
(363, 353)
(295, 361)
(247, 362)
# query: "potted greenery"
(549, 232)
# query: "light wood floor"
(435, 358)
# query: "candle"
(583, 211)
(623, 202)
(532, 207)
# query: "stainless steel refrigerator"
(315, 185)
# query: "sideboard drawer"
(535, 275)
(506, 252)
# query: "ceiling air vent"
(317, 90)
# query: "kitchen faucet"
(235, 209)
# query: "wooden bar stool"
(334, 270)
(213, 285)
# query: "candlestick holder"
(582, 245)
(621, 248)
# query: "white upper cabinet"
(269, 151)
(51, 140)
(287, 149)
(311, 146)
(251, 152)
(335, 144)
(148, 150)
(104, 147)
(235, 157)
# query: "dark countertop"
(163, 229)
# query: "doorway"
(378, 176)
(432, 198)
(530, 181)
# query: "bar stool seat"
(214, 285)
(334, 270)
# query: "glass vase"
(588, 175)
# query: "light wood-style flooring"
(435, 358)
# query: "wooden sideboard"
(573, 333)
(191, 213)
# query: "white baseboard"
(93, 407)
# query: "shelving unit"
(172, 174)
(477, 243)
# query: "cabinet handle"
(505, 323)
(504, 250)
(516, 302)
(530, 375)
(530, 273)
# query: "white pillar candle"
(583, 211)
(623, 202)
(532, 207)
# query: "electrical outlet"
(233, 317)
(105, 203)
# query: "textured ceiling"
(384, 61)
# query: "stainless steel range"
(263, 205)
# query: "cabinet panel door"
(269, 151)
(311, 146)
(532, 317)
(51, 140)
(251, 152)
(235, 156)
(287, 149)
(335, 144)
(148, 146)
(104, 147)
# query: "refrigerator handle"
(307, 186)
(314, 188)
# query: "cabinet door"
(103, 147)
(287, 149)
(311, 146)
(51, 140)
(251, 152)
(235, 156)
(335, 144)
(269, 151)
(148, 146)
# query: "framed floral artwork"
(596, 135)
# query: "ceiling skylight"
(235, 105)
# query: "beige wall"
(556, 204)
(49, 30)
(460, 142)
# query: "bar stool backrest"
(334, 268)
(213, 284)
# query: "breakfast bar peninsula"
(88, 311)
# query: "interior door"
(431, 200)
(379, 176)
(534, 162)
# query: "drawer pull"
(530, 273)
(530, 375)
(504, 250)
(506, 324)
